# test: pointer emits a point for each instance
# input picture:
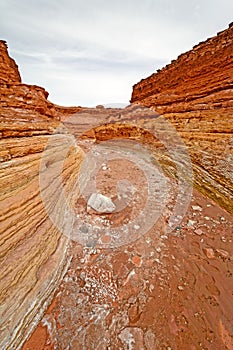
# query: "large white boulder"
(101, 203)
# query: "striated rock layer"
(195, 93)
(33, 252)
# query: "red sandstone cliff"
(195, 93)
(33, 252)
(146, 276)
(8, 68)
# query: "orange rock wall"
(33, 252)
(195, 93)
(8, 68)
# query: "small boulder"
(101, 203)
(209, 252)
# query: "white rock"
(101, 203)
(191, 223)
(196, 207)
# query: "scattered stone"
(223, 253)
(180, 288)
(198, 232)
(209, 252)
(151, 288)
(137, 260)
(104, 167)
(101, 203)
(207, 218)
(191, 223)
(196, 207)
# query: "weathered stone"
(101, 203)
(198, 232)
(209, 252)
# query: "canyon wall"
(195, 93)
(33, 252)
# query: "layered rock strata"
(195, 93)
(33, 251)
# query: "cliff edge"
(195, 93)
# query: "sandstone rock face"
(154, 290)
(8, 68)
(34, 253)
(195, 93)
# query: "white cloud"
(97, 49)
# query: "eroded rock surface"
(158, 290)
(121, 283)
(34, 253)
(195, 93)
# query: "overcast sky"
(89, 52)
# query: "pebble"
(151, 288)
(180, 288)
(198, 232)
(209, 252)
(191, 223)
(223, 253)
(196, 207)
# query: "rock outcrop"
(33, 252)
(8, 68)
(154, 289)
(195, 93)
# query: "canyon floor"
(168, 291)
